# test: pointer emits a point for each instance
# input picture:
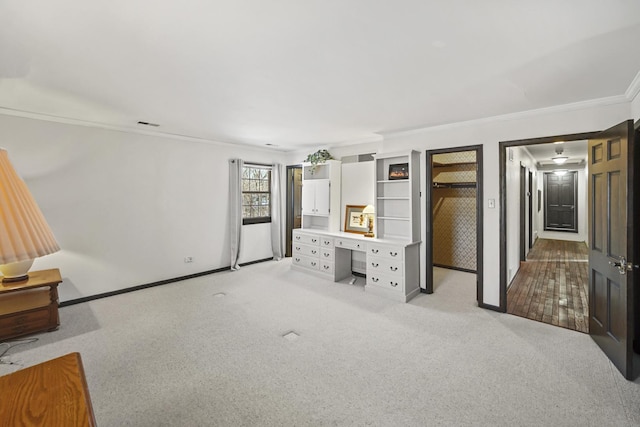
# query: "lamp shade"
(24, 233)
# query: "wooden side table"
(53, 393)
(31, 305)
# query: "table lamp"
(369, 211)
(24, 233)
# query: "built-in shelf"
(393, 198)
(394, 218)
(454, 185)
(392, 181)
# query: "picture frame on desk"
(399, 171)
(354, 220)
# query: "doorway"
(294, 204)
(454, 215)
(611, 172)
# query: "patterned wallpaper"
(454, 211)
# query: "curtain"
(235, 210)
(277, 217)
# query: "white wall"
(358, 183)
(556, 121)
(127, 208)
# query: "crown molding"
(634, 88)
(127, 129)
(600, 102)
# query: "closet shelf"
(393, 198)
(454, 185)
(447, 165)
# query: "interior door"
(611, 233)
(561, 194)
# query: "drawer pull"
(327, 254)
(393, 268)
(314, 252)
(358, 245)
(393, 253)
(374, 279)
(374, 251)
(326, 242)
(297, 237)
(297, 259)
(297, 248)
(313, 263)
(374, 264)
(326, 267)
(314, 240)
(394, 284)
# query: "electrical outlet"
(188, 259)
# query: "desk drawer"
(354, 245)
(385, 251)
(326, 242)
(311, 251)
(307, 262)
(377, 265)
(326, 266)
(395, 283)
(326, 254)
(306, 239)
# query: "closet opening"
(454, 221)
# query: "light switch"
(492, 203)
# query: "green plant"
(319, 156)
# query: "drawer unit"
(300, 249)
(385, 251)
(392, 267)
(384, 266)
(354, 245)
(386, 281)
(306, 239)
(306, 262)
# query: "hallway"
(552, 285)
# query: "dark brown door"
(611, 232)
(294, 203)
(561, 193)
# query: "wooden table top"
(36, 279)
(53, 393)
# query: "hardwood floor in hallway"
(552, 285)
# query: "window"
(256, 194)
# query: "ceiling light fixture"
(559, 159)
(560, 172)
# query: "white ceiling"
(576, 151)
(309, 72)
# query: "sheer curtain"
(277, 217)
(235, 210)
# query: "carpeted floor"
(186, 355)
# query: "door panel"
(611, 228)
(322, 197)
(309, 197)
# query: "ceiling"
(299, 73)
(576, 151)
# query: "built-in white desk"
(392, 267)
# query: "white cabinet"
(321, 195)
(316, 197)
(397, 194)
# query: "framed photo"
(399, 171)
(354, 220)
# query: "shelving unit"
(321, 195)
(397, 200)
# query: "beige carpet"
(185, 355)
